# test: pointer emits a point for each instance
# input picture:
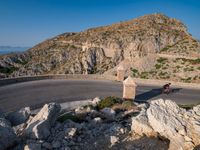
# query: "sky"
(28, 22)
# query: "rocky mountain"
(100, 50)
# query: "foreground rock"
(158, 125)
(165, 118)
(39, 126)
(7, 135)
(19, 117)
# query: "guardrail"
(7, 81)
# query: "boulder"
(8, 138)
(166, 118)
(114, 140)
(109, 113)
(32, 146)
(19, 117)
(70, 132)
(47, 145)
(2, 115)
(97, 120)
(39, 126)
(56, 144)
(95, 101)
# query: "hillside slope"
(100, 49)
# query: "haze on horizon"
(26, 23)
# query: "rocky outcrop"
(39, 126)
(165, 118)
(159, 124)
(8, 138)
(19, 116)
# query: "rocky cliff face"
(99, 49)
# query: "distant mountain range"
(11, 49)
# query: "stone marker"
(120, 73)
(129, 88)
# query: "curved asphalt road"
(37, 93)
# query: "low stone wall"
(7, 81)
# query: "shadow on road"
(143, 97)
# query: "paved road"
(37, 93)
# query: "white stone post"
(129, 89)
(120, 73)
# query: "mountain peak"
(100, 49)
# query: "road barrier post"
(120, 73)
(129, 89)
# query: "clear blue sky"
(27, 22)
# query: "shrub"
(196, 61)
(8, 70)
(163, 74)
(108, 102)
(164, 68)
(68, 117)
(158, 66)
(188, 106)
(164, 49)
(127, 104)
(144, 75)
(161, 60)
(21, 62)
(135, 72)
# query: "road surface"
(37, 93)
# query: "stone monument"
(129, 88)
(120, 73)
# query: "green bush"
(108, 102)
(144, 75)
(21, 62)
(161, 60)
(188, 106)
(196, 61)
(164, 49)
(135, 72)
(8, 70)
(127, 104)
(68, 117)
(158, 66)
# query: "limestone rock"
(19, 117)
(141, 126)
(97, 120)
(109, 113)
(113, 140)
(70, 132)
(56, 144)
(39, 126)
(95, 101)
(32, 146)
(7, 135)
(47, 145)
(166, 118)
